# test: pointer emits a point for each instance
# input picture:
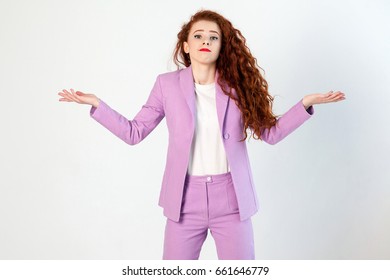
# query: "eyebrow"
(202, 30)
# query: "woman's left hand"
(320, 98)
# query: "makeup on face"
(208, 36)
(204, 42)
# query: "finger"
(337, 92)
(77, 99)
(329, 93)
(72, 91)
(63, 94)
(65, 100)
(340, 98)
(332, 93)
(336, 98)
(325, 95)
(339, 95)
(70, 97)
(331, 99)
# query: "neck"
(203, 74)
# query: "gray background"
(71, 190)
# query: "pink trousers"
(209, 203)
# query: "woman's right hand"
(79, 97)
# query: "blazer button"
(226, 136)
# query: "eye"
(213, 38)
(197, 36)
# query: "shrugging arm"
(132, 131)
(287, 123)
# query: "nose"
(206, 43)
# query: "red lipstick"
(204, 50)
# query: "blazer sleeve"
(287, 123)
(132, 131)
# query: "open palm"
(79, 97)
(321, 98)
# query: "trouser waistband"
(190, 179)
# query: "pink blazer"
(173, 97)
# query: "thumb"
(79, 93)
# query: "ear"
(186, 47)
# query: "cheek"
(218, 45)
(219, 50)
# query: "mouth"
(204, 50)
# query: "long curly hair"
(238, 69)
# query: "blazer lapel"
(188, 89)
(222, 101)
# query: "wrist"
(306, 103)
(96, 102)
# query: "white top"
(208, 155)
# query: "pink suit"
(173, 97)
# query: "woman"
(209, 106)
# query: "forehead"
(205, 25)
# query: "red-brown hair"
(237, 69)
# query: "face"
(204, 42)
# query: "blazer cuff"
(95, 112)
(309, 111)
